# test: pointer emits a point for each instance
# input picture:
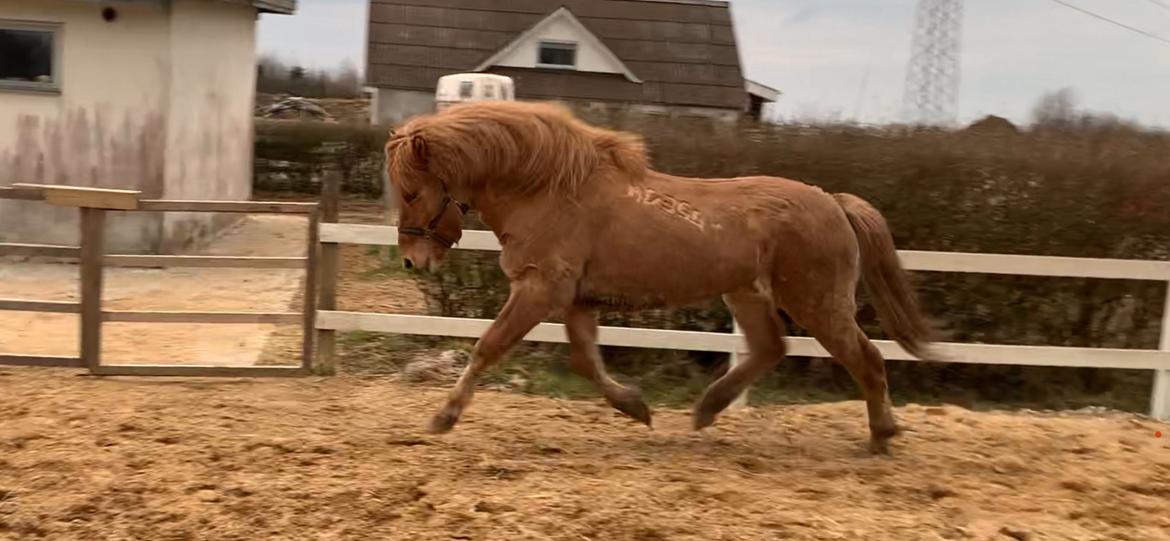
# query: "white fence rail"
(1156, 360)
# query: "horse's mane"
(518, 147)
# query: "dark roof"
(684, 51)
(286, 7)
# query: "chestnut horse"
(586, 224)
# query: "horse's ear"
(419, 151)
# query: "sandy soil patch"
(341, 458)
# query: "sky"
(846, 59)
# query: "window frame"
(56, 30)
(557, 44)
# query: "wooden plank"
(1035, 265)
(385, 235)
(52, 307)
(163, 370)
(38, 250)
(722, 342)
(85, 197)
(134, 316)
(43, 361)
(250, 207)
(1160, 397)
(162, 261)
(22, 192)
(309, 308)
(1032, 265)
(330, 258)
(93, 225)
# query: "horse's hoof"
(631, 404)
(703, 419)
(879, 447)
(443, 421)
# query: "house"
(150, 95)
(674, 57)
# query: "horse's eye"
(408, 197)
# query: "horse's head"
(430, 221)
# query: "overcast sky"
(847, 58)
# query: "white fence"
(1156, 360)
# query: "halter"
(429, 232)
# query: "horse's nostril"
(406, 262)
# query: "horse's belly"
(673, 287)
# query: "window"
(557, 54)
(29, 56)
(465, 89)
(489, 91)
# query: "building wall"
(147, 102)
(100, 130)
(392, 106)
(589, 56)
(209, 129)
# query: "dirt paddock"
(345, 458)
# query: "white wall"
(103, 129)
(159, 100)
(589, 56)
(209, 129)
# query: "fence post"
(1160, 400)
(740, 401)
(93, 227)
(309, 331)
(330, 214)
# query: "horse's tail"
(888, 282)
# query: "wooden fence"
(320, 310)
(93, 206)
(329, 320)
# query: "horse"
(585, 224)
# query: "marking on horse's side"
(667, 204)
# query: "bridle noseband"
(429, 232)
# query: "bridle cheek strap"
(430, 232)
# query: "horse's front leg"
(528, 304)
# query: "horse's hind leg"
(839, 333)
(585, 359)
(764, 331)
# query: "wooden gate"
(94, 205)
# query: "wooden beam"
(386, 235)
(52, 307)
(1036, 265)
(93, 231)
(22, 192)
(723, 342)
(330, 256)
(85, 197)
(44, 361)
(38, 250)
(162, 370)
(130, 316)
(250, 207)
(162, 261)
(1030, 265)
(309, 302)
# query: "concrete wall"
(158, 100)
(392, 107)
(209, 128)
(104, 129)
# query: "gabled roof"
(564, 14)
(683, 51)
